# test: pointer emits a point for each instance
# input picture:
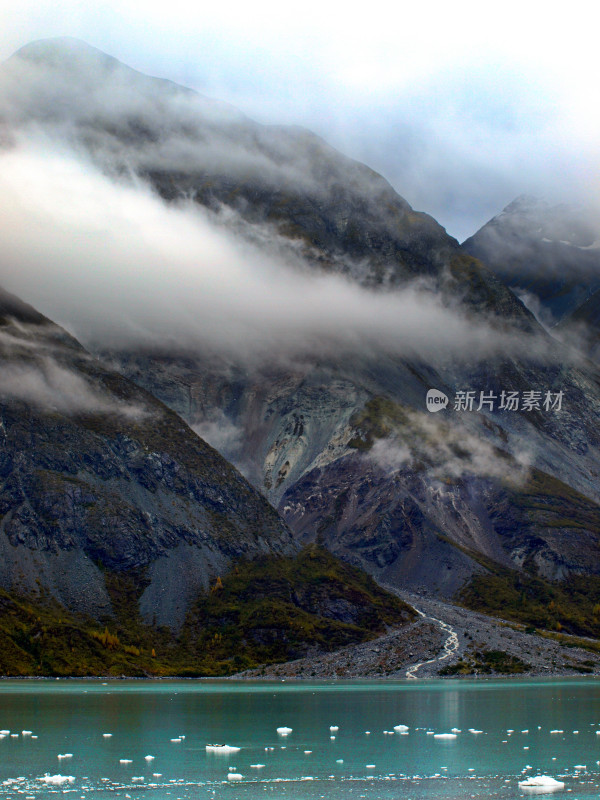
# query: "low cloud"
(54, 387)
(221, 433)
(447, 452)
(119, 268)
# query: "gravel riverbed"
(444, 639)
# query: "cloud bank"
(118, 267)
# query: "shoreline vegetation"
(311, 617)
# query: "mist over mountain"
(548, 254)
(295, 310)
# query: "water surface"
(516, 720)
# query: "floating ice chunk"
(149, 758)
(234, 776)
(176, 739)
(430, 733)
(339, 761)
(124, 761)
(444, 736)
(283, 731)
(475, 731)
(57, 780)
(138, 778)
(557, 731)
(455, 730)
(525, 731)
(332, 738)
(14, 736)
(509, 730)
(222, 749)
(401, 728)
(34, 736)
(5, 732)
(370, 766)
(106, 735)
(257, 766)
(576, 732)
(269, 748)
(157, 774)
(64, 755)
(541, 783)
(580, 766)
(26, 733)
(306, 752)
(334, 728)
(368, 733)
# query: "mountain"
(549, 255)
(581, 328)
(113, 510)
(100, 478)
(337, 436)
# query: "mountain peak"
(65, 52)
(525, 203)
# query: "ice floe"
(57, 780)
(541, 783)
(401, 728)
(222, 749)
(444, 736)
(234, 776)
(284, 731)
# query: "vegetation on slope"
(571, 606)
(263, 612)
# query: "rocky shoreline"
(445, 641)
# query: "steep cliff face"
(99, 478)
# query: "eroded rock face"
(98, 477)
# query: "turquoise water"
(70, 717)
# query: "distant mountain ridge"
(551, 253)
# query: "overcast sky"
(462, 106)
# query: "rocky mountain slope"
(338, 437)
(100, 479)
(548, 254)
